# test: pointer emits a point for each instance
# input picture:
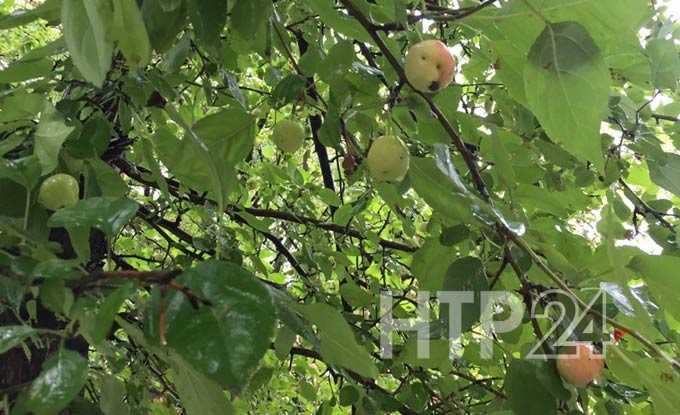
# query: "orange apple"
(580, 364)
(429, 66)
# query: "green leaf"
(108, 180)
(112, 401)
(62, 377)
(12, 336)
(666, 173)
(170, 5)
(206, 158)
(208, 18)
(249, 17)
(431, 262)
(611, 230)
(107, 311)
(25, 171)
(527, 395)
(288, 90)
(438, 190)
(130, 33)
(329, 197)
(338, 344)
(660, 275)
(49, 137)
(284, 342)
(199, 395)
(665, 63)
(104, 213)
(50, 49)
(55, 296)
(49, 10)
(21, 106)
(10, 143)
(465, 275)
(662, 383)
(349, 395)
(628, 60)
(437, 359)
(227, 339)
(146, 149)
(355, 295)
(24, 71)
(163, 25)
(563, 47)
(567, 88)
(338, 21)
(86, 31)
(499, 155)
(92, 141)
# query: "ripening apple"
(288, 135)
(580, 365)
(429, 66)
(388, 159)
(58, 191)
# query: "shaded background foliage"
(203, 271)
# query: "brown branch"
(333, 227)
(368, 383)
(642, 206)
(441, 14)
(528, 300)
(165, 278)
(665, 117)
(280, 247)
(133, 172)
(481, 382)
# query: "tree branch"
(133, 172)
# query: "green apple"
(58, 191)
(429, 66)
(288, 135)
(388, 159)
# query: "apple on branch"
(288, 136)
(388, 159)
(429, 66)
(58, 191)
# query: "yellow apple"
(288, 135)
(388, 159)
(429, 66)
(58, 191)
(580, 365)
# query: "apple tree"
(214, 206)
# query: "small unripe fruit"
(288, 136)
(580, 365)
(58, 191)
(429, 66)
(388, 159)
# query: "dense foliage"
(197, 266)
